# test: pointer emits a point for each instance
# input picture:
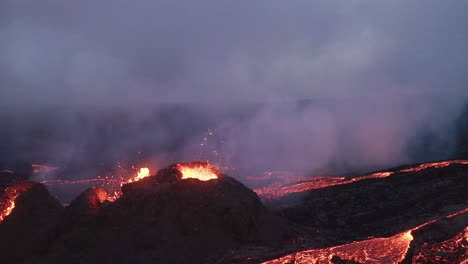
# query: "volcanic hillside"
(192, 213)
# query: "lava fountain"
(142, 173)
(201, 171)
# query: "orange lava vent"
(203, 172)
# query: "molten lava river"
(302, 184)
(376, 250)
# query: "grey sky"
(112, 51)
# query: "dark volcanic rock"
(18, 173)
(7, 177)
(444, 241)
(29, 227)
(84, 208)
(453, 250)
(168, 220)
(381, 207)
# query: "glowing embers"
(198, 170)
(142, 173)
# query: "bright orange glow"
(111, 184)
(10, 205)
(7, 200)
(436, 165)
(203, 172)
(442, 252)
(302, 184)
(142, 173)
(376, 250)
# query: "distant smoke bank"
(310, 86)
(332, 137)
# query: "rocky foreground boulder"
(83, 209)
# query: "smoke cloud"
(309, 86)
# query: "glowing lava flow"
(439, 164)
(110, 184)
(9, 203)
(38, 168)
(377, 250)
(60, 182)
(8, 199)
(142, 173)
(278, 190)
(203, 172)
(443, 252)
